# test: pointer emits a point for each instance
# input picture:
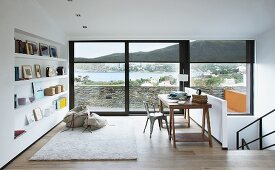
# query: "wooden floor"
(157, 153)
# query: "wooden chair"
(152, 116)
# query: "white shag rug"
(113, 142)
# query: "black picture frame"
(53, 51)
(44, 49)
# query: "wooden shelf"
(40, 101)
(20, 82)
(37, 57)
(191, 137)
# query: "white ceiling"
(162, 19)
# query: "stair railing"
(260, 138)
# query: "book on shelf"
(16, 72)
(17, 45)
(22, 47)
(60, 103)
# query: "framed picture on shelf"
(37, 70)
(27, 71)
(32, 48)
(50, 71)
(43, 49)
(30, 118)
(53, 51)
(37, 114)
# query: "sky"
(93, 50)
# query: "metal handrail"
(244, 144)
(256, 120)
(261, 136)
(247, 143)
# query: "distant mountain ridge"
(200, 51)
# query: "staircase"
(243, 144)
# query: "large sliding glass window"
(223, 69)
(153, 69)
(116, 76)
(99, 76)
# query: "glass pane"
(221, 51)
(154, 52)
(229, 81)
(147, 80)
(148, 76)
(101, 86)
(99, 52)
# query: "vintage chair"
(152, 116)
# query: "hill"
(200, 51)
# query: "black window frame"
(184, 62)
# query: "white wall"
(235, 123)
(265, 81)
(28, 16)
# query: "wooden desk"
(186, 137)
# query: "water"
(121, 75)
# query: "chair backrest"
(146, 106)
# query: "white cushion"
(78, 115)
(95, 121)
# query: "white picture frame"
(30, 118)
(27, 71)
(37, 70)
(37, 112)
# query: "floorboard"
(157, 153)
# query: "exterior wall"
(236, 101)
(219, 91)
(113, 96)
(107, 97)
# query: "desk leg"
(173, 127)
(203, 122)
(188, 117)
(184, 112)
(208, 127)
(170, 126)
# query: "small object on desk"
(202, 99)
(177, 95)
(181, 102)
(172, 101)
(198, 92)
